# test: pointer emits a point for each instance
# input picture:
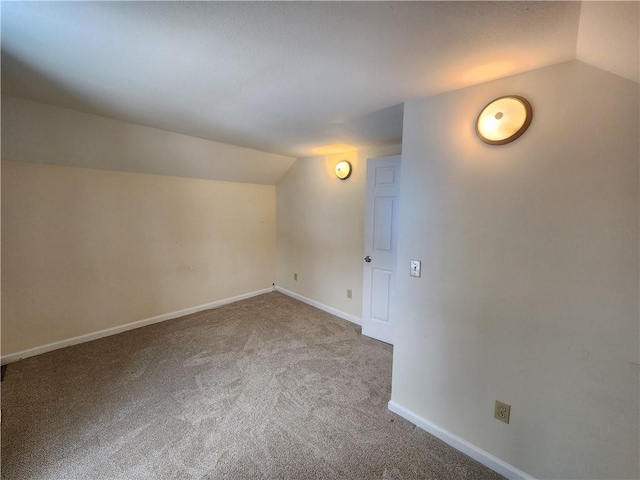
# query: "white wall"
(608, 37)
(39, 133)
(529, 288)
(320, 234)
(85, 250)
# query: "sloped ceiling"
(292, 78)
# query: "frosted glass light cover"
(343, 170)
(503, 120)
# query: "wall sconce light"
(503, 120)
(343, 170)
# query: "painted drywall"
(530, 260)
(85, 250)
(320, 233)
(609, 37)
(285, 77)
(39, 133)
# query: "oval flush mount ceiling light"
(343, 170)
(503, 120)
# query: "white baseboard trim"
(321, 306)
(31, 352)
(485, 458)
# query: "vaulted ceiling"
(293, 78)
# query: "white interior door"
(380, 246)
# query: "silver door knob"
(367, 259)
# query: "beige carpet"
(264, 388)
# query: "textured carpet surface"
(263, 388)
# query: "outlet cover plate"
(502, 411)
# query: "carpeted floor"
(263, 388)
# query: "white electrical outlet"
(416, 267)
(502, 411)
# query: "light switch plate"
(416, 267)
